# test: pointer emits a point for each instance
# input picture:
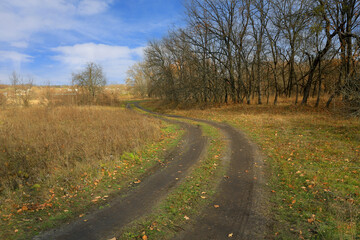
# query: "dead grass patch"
(36, 143)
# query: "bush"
(351, 94)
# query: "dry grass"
(39, 143)
(313, 158)
(112, 95)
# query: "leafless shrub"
(351, 95)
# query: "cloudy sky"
(49, 39)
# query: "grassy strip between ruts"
(92, 190)
(313, 158)
(183, 204)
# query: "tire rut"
(241, 195)
(101, 224)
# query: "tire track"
(241, 195)
(139, 201)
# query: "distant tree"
(91, 80)
(15, 80)
(137, 79)
(22, 88)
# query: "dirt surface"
(239, 209)
(139, 201)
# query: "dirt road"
(241, 195)
(240, 212)
(139, 201)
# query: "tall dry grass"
(39, 143)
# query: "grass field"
(314, 164)
(58, 162)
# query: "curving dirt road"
(138, 201)
(240, 196)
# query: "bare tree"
(91, 80)
(233, 50)
(137, 79)
(22, 88)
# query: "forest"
(255, 51)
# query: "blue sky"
(47, 40)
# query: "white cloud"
(91, 7)
(10, 61)
(21, 19)
(20, 44)
(114, 59)
(14, 57)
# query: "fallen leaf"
(186, 217)
(230, 235)
(16, 230)
(216, 206)
(114, 238)
(312, 219)
(144, 237)
(81, 215)
(203, 197)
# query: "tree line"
(255, 51)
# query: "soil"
(138, 201)
(239, 209)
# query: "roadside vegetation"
(57, 162)
(182, 206)
(313, 163)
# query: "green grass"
(184, 203)
(97, 185)
(314, 164)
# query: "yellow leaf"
(230, 235)
(216, 206)
(144, 237)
